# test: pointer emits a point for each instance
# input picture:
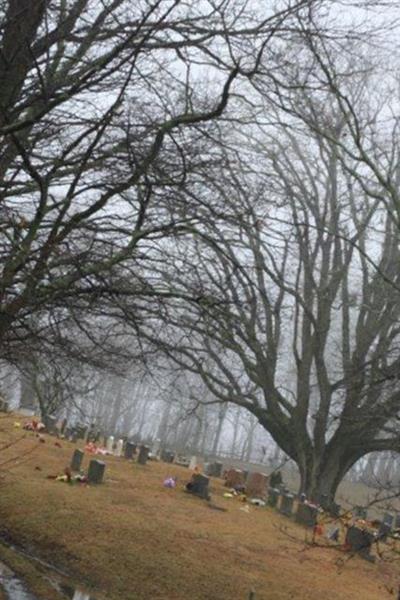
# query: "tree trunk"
(221, 419)
(235, 432)
(162, 430)
(320, 476)
(27, 398)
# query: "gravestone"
(360, 541)
(86, 435)
(256, 485)
(385, 527)
(182, 461)
(3, 405)
(119, 448)
(388, 519)
(63, 426)
(383, 531)
(156, 447)
(130, 449)
(80, 431)
(215, 469)
(196, 461)
(286, 505)
(273, 496)
(110, 444)
(69, 433)
(26, 412)
(275, 479)
(199, 486)
(234, 478)
(167, 456)
(335, 509)
(397, 521)
(76, 461)
(96, 471)
(306, 514)
(359, 512)
(51, 425)
(143, 455)
(92, 433)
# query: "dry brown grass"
(132, 539)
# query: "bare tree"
(104, 111)
(291, 318)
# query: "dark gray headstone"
(388, 519)
(76, 461)
(275, 479)
(306, 514)
(324, 502)
(51, 425)
(199, 486)
(215, 469)
(96, 471)
(286, 505)
(360, 512)
(80, 431)
(273, 496)
(167, 456)
(335, 509)
(384, 530)
(71, 434)
(130, 449)
(143, 455)
(360, 541)
(3, 405)
(397, 521)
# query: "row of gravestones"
(255, 482)
(387, 525)
(97, 467)
(306, 514)
(359, 539)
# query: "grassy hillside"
(131, 538)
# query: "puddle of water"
(73, 593)
(13, 586)
(16, 590)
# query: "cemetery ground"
(132, 539)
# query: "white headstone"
(118, 450)
(110, 443)
(195, 461)
(26, 412)
(78, 595)
(156, 447)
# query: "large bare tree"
(295, 310)
(104, 112)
